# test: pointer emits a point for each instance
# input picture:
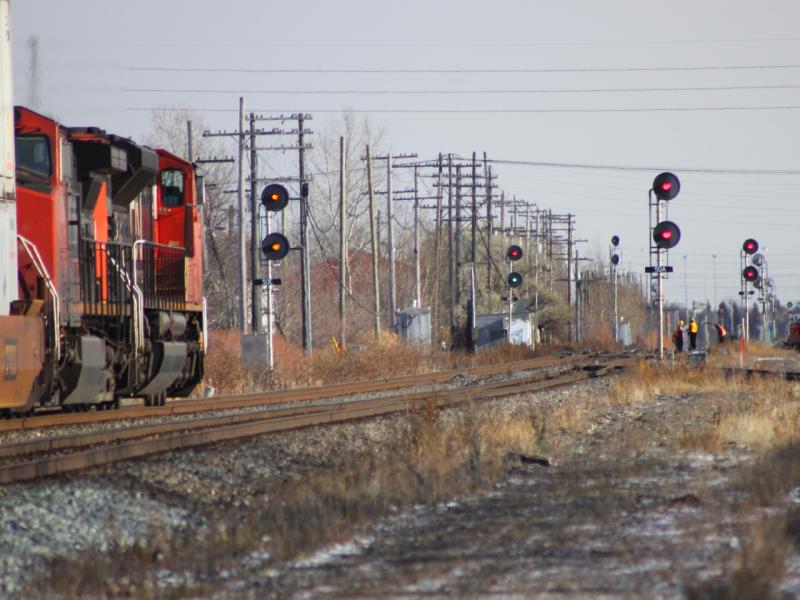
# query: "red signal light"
(666, 186)
(514, 252)
(750, 274)
(666, 235)
(750, 246)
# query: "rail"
(188, 406)
(129, 443)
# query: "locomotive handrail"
(138, 302)
(38, 263)
(140, 309)
(205, 325)
(176, 253)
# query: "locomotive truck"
(101, 273)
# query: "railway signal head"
(514, 279)
(615, 259)
(666, 235)
(275, 246)
(615, 240)
(666, 186)
(514, 252)
(758, 259)
(275, 197)
(750, 274)
(750, 246)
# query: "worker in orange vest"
(692, 334)
(677, 337)
(721, 332)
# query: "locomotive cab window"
(32, 153)
(172, 185)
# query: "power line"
(407, 92)
(471, 71)
(470, 111)
(440, 44)
(530, 163)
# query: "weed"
(760, 564)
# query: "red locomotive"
(110, 272)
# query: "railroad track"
(64, 454)
(183, 406)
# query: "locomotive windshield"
(172, 188)
(33, 155)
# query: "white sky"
(89, 50)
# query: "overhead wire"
(469, 71)
(491, 91)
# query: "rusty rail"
(128, 443)
(177, 407)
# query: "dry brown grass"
(437, 456)
(762, 414)
(647, 380)
(757, 569)
(756, 413)
(364, 358)
(727, 355)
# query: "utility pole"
(255, 291)
(569, 273)
(489, 232)
(417, 275)
(342, 240)
(714, 258)
(451, 272)
(304, 247)
(686, 286)
(305, 267)
(437, 244)
(474, 215)
(189, 150)
(390, 241)
(242, 236)
(458, 232)
(390, 232)
(503, 212)
(536, 273)
(374, 244)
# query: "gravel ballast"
(183, 491)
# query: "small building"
(254, 349)
(492, 328)
(414, 324)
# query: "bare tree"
(169, 131)
(324, 227)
